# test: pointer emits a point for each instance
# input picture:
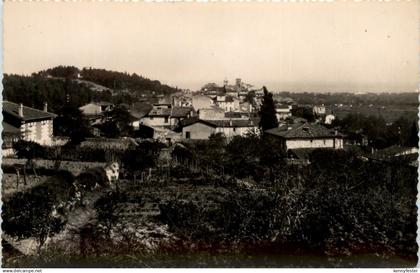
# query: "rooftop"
(394, 151)
(10, 129)
(302, 131)
(29, 114)
(181, 112)
(160, 112)
(253, 122)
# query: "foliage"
(241, 156)
(35, 90)
(29, 150)
(339, 205)
(144, 156)
(106, 208)
(379, 133)
(268, 112)
(29, 214)
(182, 153)
(67, 72)
(116, 122)
(91, 178)
(305, 112)
(250, 97)
(72, 123)
(118, 80)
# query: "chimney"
(251, 122)
(45, 107)
(21, 110)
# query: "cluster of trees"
(58, 86)
(339, 205)
(118, 80)
(34, 91)
(72, 123)
(380, 135)
(111, 79)
(253, 155)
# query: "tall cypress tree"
(268, 112)
(414, 137)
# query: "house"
(211, 113)
(319, 110)
(306, 135)
(283, 111)
(201, 101)
(226, 102)
(396, 152)
(94, 111)
(94, 108)
(138, 111)
(10, 135)
(246, 107)
(259, 93)
(180, 113)
(242, 95)
(164, 115)
(159, 116)
(196, 128)
(30, 124)
(181, 101)
(166, 135)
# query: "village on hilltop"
(117, 164)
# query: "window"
(166, 119)
(234, 129)
(151, 118)
(187, 135)
(325, 141)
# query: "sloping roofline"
(29, 113)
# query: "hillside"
(62, 84)
(111, 79)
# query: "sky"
(341, 46)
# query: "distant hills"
(62, 84)
(111, 79)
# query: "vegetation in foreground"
(218, 201)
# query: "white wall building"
(28, 123)
(306, 135)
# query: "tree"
(250, 97)
(117, 122)
(268, 112)
(72, 123)
(29, 150)
(106, 208)
(414, 135)
(142, 157)
(241, 155)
